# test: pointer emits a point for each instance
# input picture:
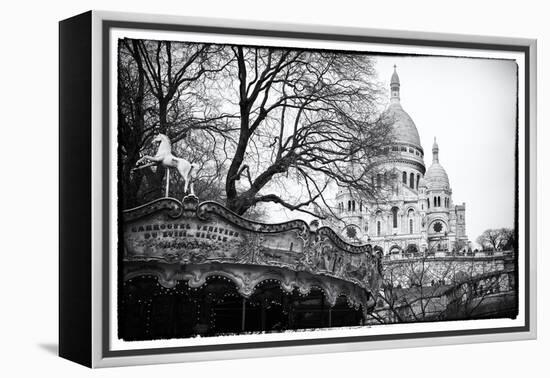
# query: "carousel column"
(262, 315)
(286, 309)
(243, 315)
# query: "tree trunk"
(233, 202)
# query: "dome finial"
(394, 85)
(435, 151)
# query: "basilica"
(417, 213)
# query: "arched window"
(439, 201)
(394, 216)
(378, 228)
(405, 178)
(417, 180)
(435, 201)
(410, 214)
(411, 180)
(353, 206)
(428, 203)
(349, 205)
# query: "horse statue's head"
(160, 138)
(162, 143)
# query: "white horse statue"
(165, 158)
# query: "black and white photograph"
(275, 189)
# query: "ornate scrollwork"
(171, 206)
(207, 208)
(167, 231)
(333, 236)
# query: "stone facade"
(415, 212)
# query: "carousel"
(190, 268)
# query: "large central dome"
(404, 129)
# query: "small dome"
(404, 129)
(436, 177)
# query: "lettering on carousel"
(185, 230)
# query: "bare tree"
(497, 239)
(413, 291)
(280, 125)
(508, 239)
(163, 88)
(307, 116)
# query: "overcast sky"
(470, 106)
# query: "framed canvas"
(232, 189)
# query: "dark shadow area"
(149, 311)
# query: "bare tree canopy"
(497, 239)
(263, 124)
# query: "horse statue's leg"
(185, 185)
(192, 177)
(183, 170)
(151, 160)
(143, 166)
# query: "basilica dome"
(436, 177)
(404, 129)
